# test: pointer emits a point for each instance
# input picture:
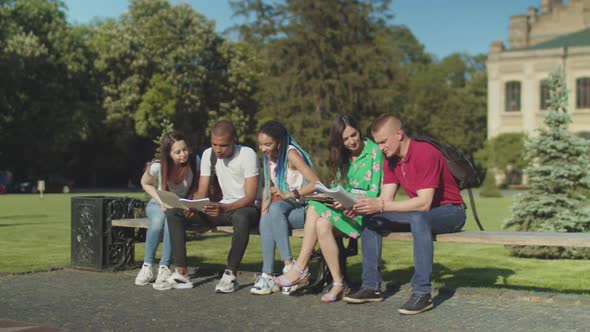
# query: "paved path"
(88, 301)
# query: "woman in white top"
(174, 163)
(288, 175)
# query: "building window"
(544, 92)
(583, 92)
(512, 96)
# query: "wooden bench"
(481, 237)
(144, 223)
(322, 275)
(510, 238)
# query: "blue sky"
(443, 26)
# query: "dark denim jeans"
(443, 219)
(242, 220)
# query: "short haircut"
(386, 119)
(223, 128)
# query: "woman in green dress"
(360, 161)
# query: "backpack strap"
(195, 168)
(213, 178)
(473, 210)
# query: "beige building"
(539, 41)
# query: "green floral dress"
(364, 174)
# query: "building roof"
(579, 38)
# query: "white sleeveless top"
(180, 189)
(294, 177)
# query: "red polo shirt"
(424, 167)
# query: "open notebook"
(172, 201)
(338, 194)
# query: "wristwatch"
(296, 194)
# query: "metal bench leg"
(121, 251)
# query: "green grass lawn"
(35, 234)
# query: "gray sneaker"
(228, 283)
(264, 285)
(416, 304)
(146, 275)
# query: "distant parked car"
(58, 184)
(53, 184)
(22, 186)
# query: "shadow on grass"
(26, 224)
(24, 216)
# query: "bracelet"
(382, 206)
(296, 194)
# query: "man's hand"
(368, 206)
(214, 210)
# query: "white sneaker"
(228, 283)
(146, 275)
(176, 281)
(163, 274)
(264, 285)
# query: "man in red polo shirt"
(434, 206)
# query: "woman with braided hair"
(288, 175)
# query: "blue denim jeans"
(157, 231)
(443, 219)
(274, 231)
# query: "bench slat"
(136, 223)
(513, 238)
(144, 223)
(230, 230)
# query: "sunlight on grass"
(35, 234)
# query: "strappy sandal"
(329, 297)
(289, 286)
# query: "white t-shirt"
(180, 189)
(294, 177)
(232, 172)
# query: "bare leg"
(310, 238)
(325, 232)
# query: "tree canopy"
(87, 100)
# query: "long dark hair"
(279, 133)
(339, 155)
(166, 143)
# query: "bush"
(504, 152)
(489, 188)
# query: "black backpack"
(461, 168)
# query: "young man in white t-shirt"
(236, 169)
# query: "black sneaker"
(364, 295)
(416, 304)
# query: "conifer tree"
(558, 173)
